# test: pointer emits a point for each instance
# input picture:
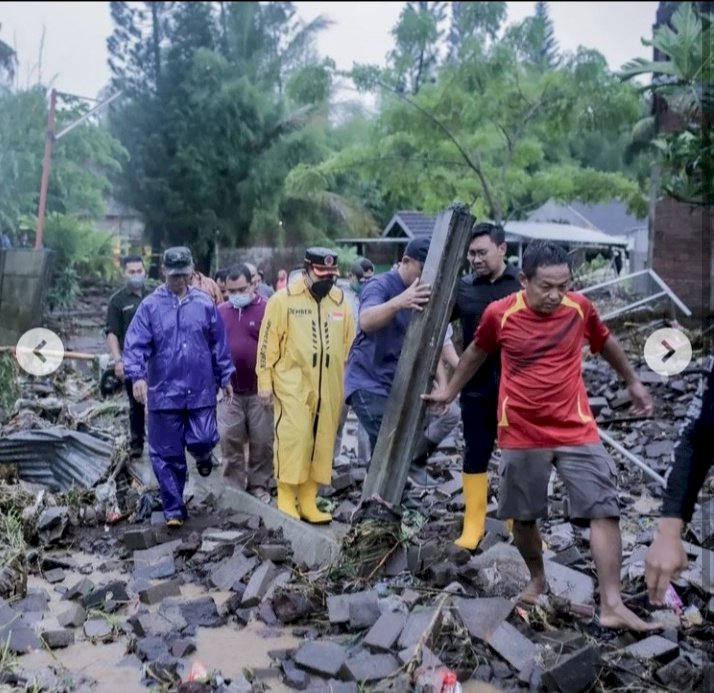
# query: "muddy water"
(227, 649)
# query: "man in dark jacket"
(244, 419)
(693, 458)
(176, 355)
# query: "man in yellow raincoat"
(303, 346)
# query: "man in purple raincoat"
(176, 355)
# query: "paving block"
(655, 647)
(79, 589)
(35, 602)
(678, 675)
(324, 658)
(157, 562)
(568, 557)
(569, 584)
(383, 635)
(182, 647)
(441, 573)
(73, 617)
(98, 629)
(135, 539)
(513, 646)
(151, 648)
(597, 404)
(55, 639)
(562, 641)
(114, 591)
(223, 536)
(157, 593)
(15, 632)
(483, 616)
(259, 584)
(294, 677)
(232, 570)
(338, 606)
(54, 576)
(415, 626)
(573, 672)
(196, 612)
(363, 614)
(365, 666)
(277, 553)
(397, 562)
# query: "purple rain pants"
(171, 433)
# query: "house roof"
(519, 231)
(611, 217)
(576, 231)
(409, 224)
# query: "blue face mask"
(240, 300)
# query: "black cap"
(418, 248)
(367, 265)
(322, 260)
(178, 261)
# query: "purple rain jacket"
(179, 347)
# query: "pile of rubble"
(223, 604)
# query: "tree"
(473, 25)
(683, 82)
(416, 54)
(8, 63)
(216, 120)
(81, 161)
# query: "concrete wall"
(24, 278)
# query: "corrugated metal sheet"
(560, 233)
(58, 458)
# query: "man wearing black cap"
(303, 345)
(176, 355)
(386, 305)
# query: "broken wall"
(25, 276)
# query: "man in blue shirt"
(386, 306)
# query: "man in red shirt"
(544, 418)
(243, 419)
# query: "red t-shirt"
(542, 400)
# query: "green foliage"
(80, 161)
(684, 79)
(80, 251)
(8, 381)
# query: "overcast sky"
(74, 56)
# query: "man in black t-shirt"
(491, 279)
(121, 310)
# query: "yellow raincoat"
(303, 348)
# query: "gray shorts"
(589, 474)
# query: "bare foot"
(621, 617)
(534, 591)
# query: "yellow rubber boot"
(307, 497)
(287, 499)
(476, 502)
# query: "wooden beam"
(402, 425)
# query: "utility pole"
(50, 139)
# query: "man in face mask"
(121, 309)
(176, 355)
(304, 341)
(244, 419)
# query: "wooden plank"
(402, 424)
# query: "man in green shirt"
(121, 310)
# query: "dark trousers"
(369, 409)
(478, 413)
(137, 415)
(171, 433)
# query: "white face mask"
(240, 300)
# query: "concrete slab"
(314, 545)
